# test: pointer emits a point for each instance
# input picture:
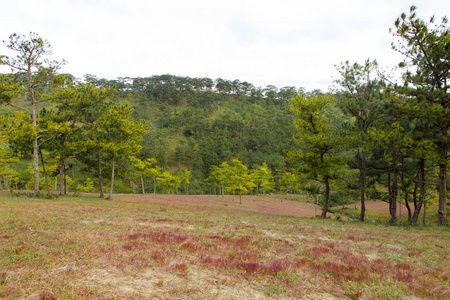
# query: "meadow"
(208, 247)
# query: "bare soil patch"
(270, 204)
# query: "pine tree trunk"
(327, 196)
(415, 195)
(45, 172)
(406, 195)
(442, 211)
(1, 185)
(424, 213)
(420, 202)
(35, 140)
(100, 178)
(363, 185)
(112, 181)
(394, 190)
(65, 183)
(61, 175)
(408, 207)
(35, 150)
(142, 184)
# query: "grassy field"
(148, 248)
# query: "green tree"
(319, 144)
(121, 135)
(392, 138)
(168, 181)
(140, 167)
(262, 177)
(152, 170)
(87, 187)
(425, 46)
(186, 180)
(287, 182)
(146, 168)
(57, 136)
(238, 178)
(362, 98)
(422, 153)
(219, 176)
(85, 104)
(8, 87)
(33, 74)
(7, 156)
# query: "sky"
(281, 43)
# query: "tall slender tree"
(120, 134)
(33, 73)
(362, 99)
(85, 104)
(319, 143)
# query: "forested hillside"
(196, 123)
(372, 137)
(193, 124)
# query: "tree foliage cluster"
(395, 134)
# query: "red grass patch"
(46, 295)
(158, 256)
(191, 247)
(179, 269)
(158, 237)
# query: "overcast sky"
(280, 42)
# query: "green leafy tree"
(425, 46)
(362, 98)
(392, 138)
(7, 156)
(86, 103)
(319, 144)
(239, 180)
(57, 136)
(186, 180)
(152, 170)
(8, 87)
(140, 167)
(87, 187)
(33, 75)
(287, 182)
(262, 177)
(219, 176)
(121, 135)
(146, 168)
(168, 181)
(422, 154)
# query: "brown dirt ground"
(266, 204)
(270, 204)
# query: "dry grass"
(136, 248)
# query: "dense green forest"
(372, 137)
